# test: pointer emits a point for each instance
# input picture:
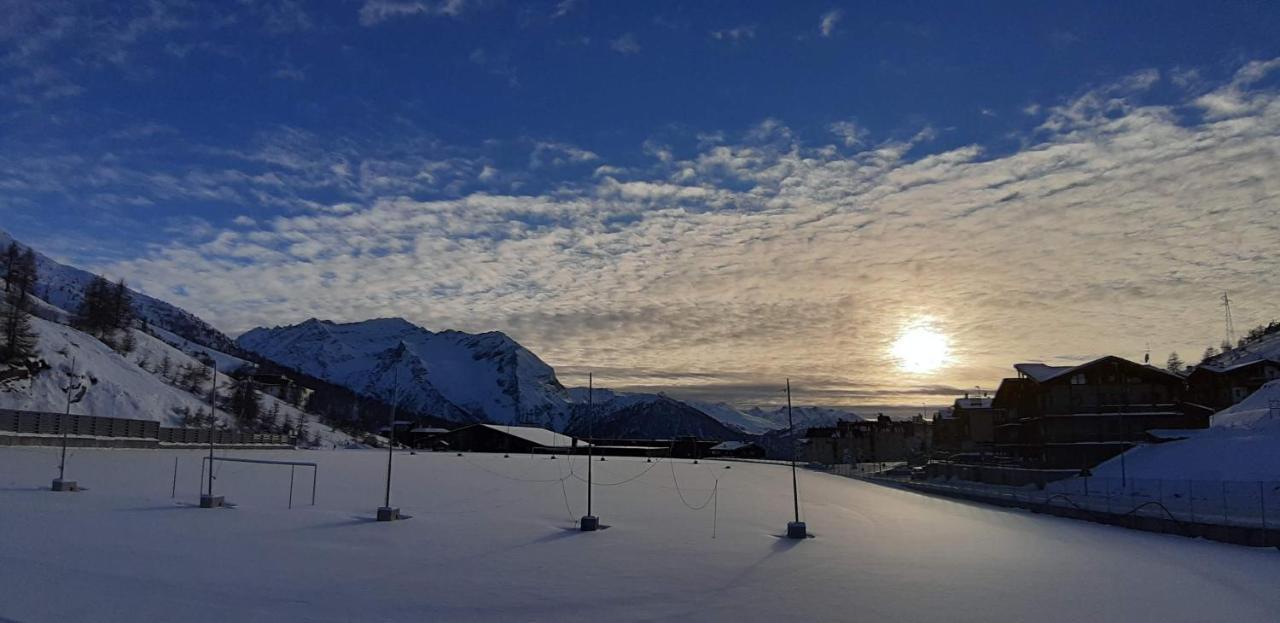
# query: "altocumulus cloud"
(1116, 223)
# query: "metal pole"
(391, 433)
(314, 473)
(591, 433)
(791, 426)
(62, 463)
(291, 468)
(213, 400)
(174, 493)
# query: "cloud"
(288, 71)
(828, 22)
(1233, 100)
(743, 257)
(558, 155)
(374, 12)
(564, 7)
(850, 133)
(735, 34)
(626, 44)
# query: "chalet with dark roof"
(1079, 416)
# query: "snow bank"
(493, 539)
(1241, 444)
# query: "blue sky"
(662, 190)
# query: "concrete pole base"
(212, 501)
(388, 513)
(589, 523)
(64, 485)
(797, 530)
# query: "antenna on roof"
(1231, 325)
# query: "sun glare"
(920, 348)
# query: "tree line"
(18, 341)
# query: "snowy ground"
(492, 539)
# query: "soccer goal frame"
(293, 466)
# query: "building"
(426, 436)
(518, 439)
(881, 440)
(1228, 378)
(737, 450)
(968, 426)
(1068, 417)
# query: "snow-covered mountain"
(457, 376)
(619, 415)
(759, 421)
(63, 287)
(119, 385)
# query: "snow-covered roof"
(429, 431)
(729, 446)
(1040, 372)
(538, 436)
(1265, 349)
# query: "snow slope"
(124, 386)
(1241, 444)
(63, 287)
(493, 539)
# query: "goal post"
(293, 465)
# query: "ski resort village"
(569, 310)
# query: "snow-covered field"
(495, 539)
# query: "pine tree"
(122, 314)
(18, 339)
(10, 259)
(245, 406)
(1174, 363)
(1209, 353)
(93, 315)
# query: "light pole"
(589, 522)
(795, 529)
(73, 384)
(209, 500)
(386, 512)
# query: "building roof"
(729, 446)
(1265, 349)
(536, 436)
(1041, 373)
(424, 430)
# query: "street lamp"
(75, 391)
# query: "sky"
(700, 197)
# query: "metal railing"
(1237, 503)
(45, 423)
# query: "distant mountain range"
(447, 375)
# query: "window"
(1078, 379)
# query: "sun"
(920, 349)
